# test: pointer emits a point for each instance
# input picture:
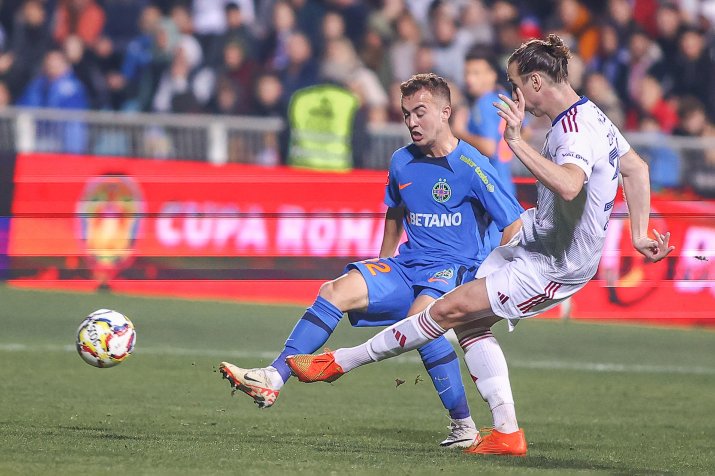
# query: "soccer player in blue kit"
(446, 196)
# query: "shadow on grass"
(576, 464)
(92, 432)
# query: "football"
(105, 338)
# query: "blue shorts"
(392, 286)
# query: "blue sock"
(309, 333)
(443, 367)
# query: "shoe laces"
(486, 430)
(457, 428)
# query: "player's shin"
(442, 365)
(309, 334)
(487, 365)
(408, 334)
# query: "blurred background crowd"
(648, 64)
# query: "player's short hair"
(550, 56)
(436, 85)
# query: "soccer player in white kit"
(554, 255)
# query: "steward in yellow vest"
(321, 120)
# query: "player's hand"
(513, 113)
(654, 250)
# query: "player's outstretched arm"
(564, 180)
(636, 187)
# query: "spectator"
(650, 104)
(355, 15)
(699, 163)
(382, 19)
(150, 64)
(269, 97)
(85, 67)
(449, 48)
(225, 101)
(57, 87)
(643, 54)
(611, 61)
(403, 51)
(123, 24)
(668, 22)
(236, 32)
(240, 72)
(301, 69)
(109, 62)
(209, 20)
(181, 88)
(620, 14)
(29, 44)
(127, 85)
(577, 21)
(374, 55)
(275, 45)
(342, 65)
(269, 103)
(181, 17)
(5, 97)
(331, 28)
(694, 73)
(601, 92)
(664, 163)
(83, 18)
(474, 19)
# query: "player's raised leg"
(349, 291)
(466, 303)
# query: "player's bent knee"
(449, 312)
(348, 292)
(327, 290)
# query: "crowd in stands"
(647, 63)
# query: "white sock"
(276, 379)
(465, 422)
(408, 334)
(485, 361)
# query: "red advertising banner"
(235, 231)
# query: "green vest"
(321, 121)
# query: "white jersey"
(565, 239)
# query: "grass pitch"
(592, 398)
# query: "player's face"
(479, 77)
(527, 85)
(425, 116)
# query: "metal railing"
(228, 139)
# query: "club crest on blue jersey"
(441, 191)
(445, 273)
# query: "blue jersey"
(484, 120)
(449, 203)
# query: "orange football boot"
(315, 368)
(498, 443)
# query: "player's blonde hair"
(436, 85)
(550, 56)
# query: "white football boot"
(262, 384)
(463, 434)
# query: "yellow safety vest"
(321, 121)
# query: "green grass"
(592, 398)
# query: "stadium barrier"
(257, 140)
(237, 231)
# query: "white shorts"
(515, 289)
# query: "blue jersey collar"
(577, 103)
